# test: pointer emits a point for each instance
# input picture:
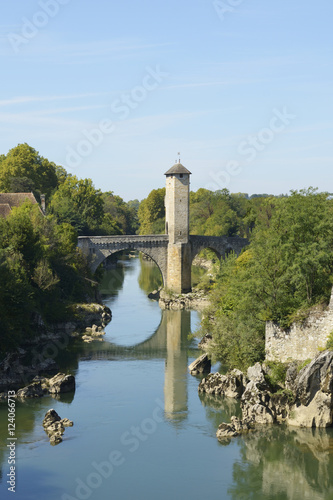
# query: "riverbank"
(197, 300)
(37, 355)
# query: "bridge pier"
(179, 267)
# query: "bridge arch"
(220, 245)
(99, 248)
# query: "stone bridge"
(174, 251)
(98, 248)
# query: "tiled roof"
(10, 200)
(16, 199)
(177, 168)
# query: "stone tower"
(177, 227)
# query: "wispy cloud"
(91, 52)
(30, 99)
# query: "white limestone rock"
(201, 365)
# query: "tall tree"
(78, 202)
(151, 213)
(23, 166)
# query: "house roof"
(10, 200)
(4, 210)
(177, 168)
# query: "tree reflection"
(150, 277)
(282, 463)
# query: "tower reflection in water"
(178, 326)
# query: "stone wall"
(302, 340)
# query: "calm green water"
(140, 429)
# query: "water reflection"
(169, 341)
(150, 277)
(219, 409)
(178, 326)
(284, 463)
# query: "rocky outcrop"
(200, 365)
(234, 428)
(86, 315)
(197, 299)
(256, 401)
(33, 390)
(313, 405)
(40, 386)
(230, 385)
(54, 426)
(205, 341)
(155, 294)
(93, 333)
(306, 400)
(18, 369)
(61, 383)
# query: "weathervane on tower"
(178, 157)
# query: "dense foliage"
(286, 269)
(24, 170)
(41, 272)
(217, 213)
(151, 213)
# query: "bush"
(276, 375)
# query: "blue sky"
(113, 90)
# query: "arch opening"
(151, 276)
(110, 259)
(205, 263)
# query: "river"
(142, 432)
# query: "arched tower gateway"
(177, 227)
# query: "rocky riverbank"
(38, 354)
(305, 399)
(197, 299)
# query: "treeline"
(69, 199)
(212, 213)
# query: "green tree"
(217, 213)
(122, 213)
(24, 166)
(151, 213)
(78, 203)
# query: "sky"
(114, 90)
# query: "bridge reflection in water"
(171, 342)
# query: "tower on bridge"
(177, 208)
(174, 251)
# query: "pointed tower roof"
(177, 168)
